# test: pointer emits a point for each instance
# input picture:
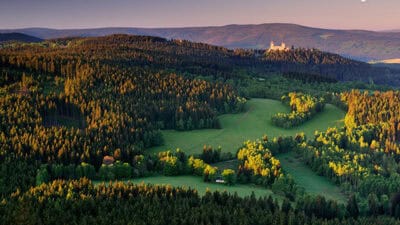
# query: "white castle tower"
(273, 47)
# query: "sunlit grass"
(250, 125)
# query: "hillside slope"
(358, 44)
(4, 37)
(198, 59)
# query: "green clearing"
(250, 125)
(306, 178)
(198, 184)
(231, 164)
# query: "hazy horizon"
(337, 14)
(199, 26)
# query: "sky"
(338, 14)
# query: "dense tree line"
(303, 107)
(80, 202)
(275, 86)
(118, 170)
(332, 66)
(168, 163)
(309, 78)
(212, 155)
(309, 56)
(381, 108)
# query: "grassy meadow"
(310, 181)
(249, 125)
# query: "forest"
(120, 203)
(330, 65)
(78, 116)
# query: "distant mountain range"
(395, 30)
(357, 44)
(4, 37)
(389, 63)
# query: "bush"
(196, 166)
(86, 170)
(122, 170)
(42, 175)
(106, 172)
(173, 163)
(209, 173)
(285, 186)
(210, 155)
(229, 176)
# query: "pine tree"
(286, 207)
(352, 207)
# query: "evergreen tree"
(352, 207)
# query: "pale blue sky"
(343, 14)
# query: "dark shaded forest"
(79, 202)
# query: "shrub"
(172, 164)
(42, 175)
(122, 170)
(209, 173)
(86, 170)
(196, 166)
(229, 176)
(106, 172)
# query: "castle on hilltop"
(282, 47)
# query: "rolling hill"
(357, 44)
(4, 37)
(394, 30)
(222, 63)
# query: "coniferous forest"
(79, 115)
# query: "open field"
(306, 178)
(252, 124)
(198, 184)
